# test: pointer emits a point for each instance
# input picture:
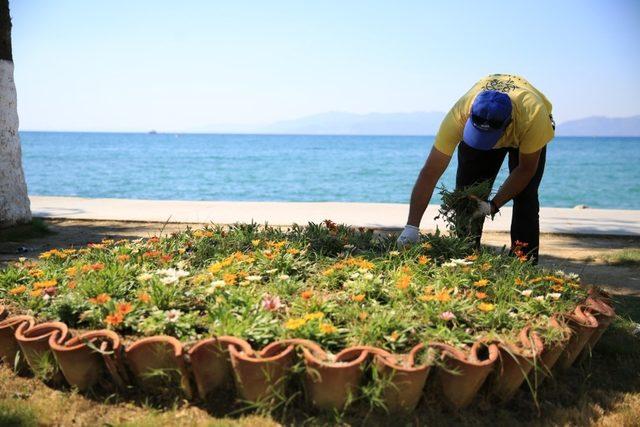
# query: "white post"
(14, 202)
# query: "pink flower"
(447, 316)
(271, 303)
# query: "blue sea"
(597, 172)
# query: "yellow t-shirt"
(531, 127)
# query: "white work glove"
(409, 236)
(483, 209)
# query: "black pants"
(477, 165)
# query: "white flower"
(368, 276)
(171, 275)
(354, 275)
(394, 253)
(526, 292)
(254, 278)
(554, 295)
(457, 262)
(218, 284)
(145, 276)
(173, 315)
(283, 277)
(349, 246)
(273, 270)
(512, 314)
(539, 298)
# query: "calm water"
(598, 172)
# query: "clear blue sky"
(179, 65)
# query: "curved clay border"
(214, 364)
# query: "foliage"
(330, 283)
(458, 207)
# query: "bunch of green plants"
(458, 207)
(329, 283)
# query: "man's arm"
(431, 172)
(518, 178)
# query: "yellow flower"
(327, 328)
(313, 316)
(255, 242)
(328, 272)
(293, 251)
(486, 307)
(45, 284)
(71, 271)
(426, 245)
(485, 267)
(214, 268)
(293, 324)
(481, 283)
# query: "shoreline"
(614, 222)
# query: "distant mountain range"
(417, 123)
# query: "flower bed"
(343, 300)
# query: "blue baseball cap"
(490, 116)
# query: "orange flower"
(124, 308)
(518, 281)
(403, 281)
(123, 258)
(114, 319)
(71, 271)
(293, 251)
(45, 284)
(472, 257)
(480, 295)
(485, 267)
(443, 296)
(229, 278)
(557, 288)
(166, 258)
(36, 292)
(306, 294)
(394, 336)
(151, 254)
(36, 273)
(144, 297)
(363, 315)
(93, 267)
(422, 260)
(327, 328)
(18, 290)
(357, 298)
(100, 299)
(72, 284)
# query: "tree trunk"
(14, 203)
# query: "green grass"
(32, 230)
(625, 257)
(16, 414)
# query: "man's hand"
(483, 208)
(409, 236)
